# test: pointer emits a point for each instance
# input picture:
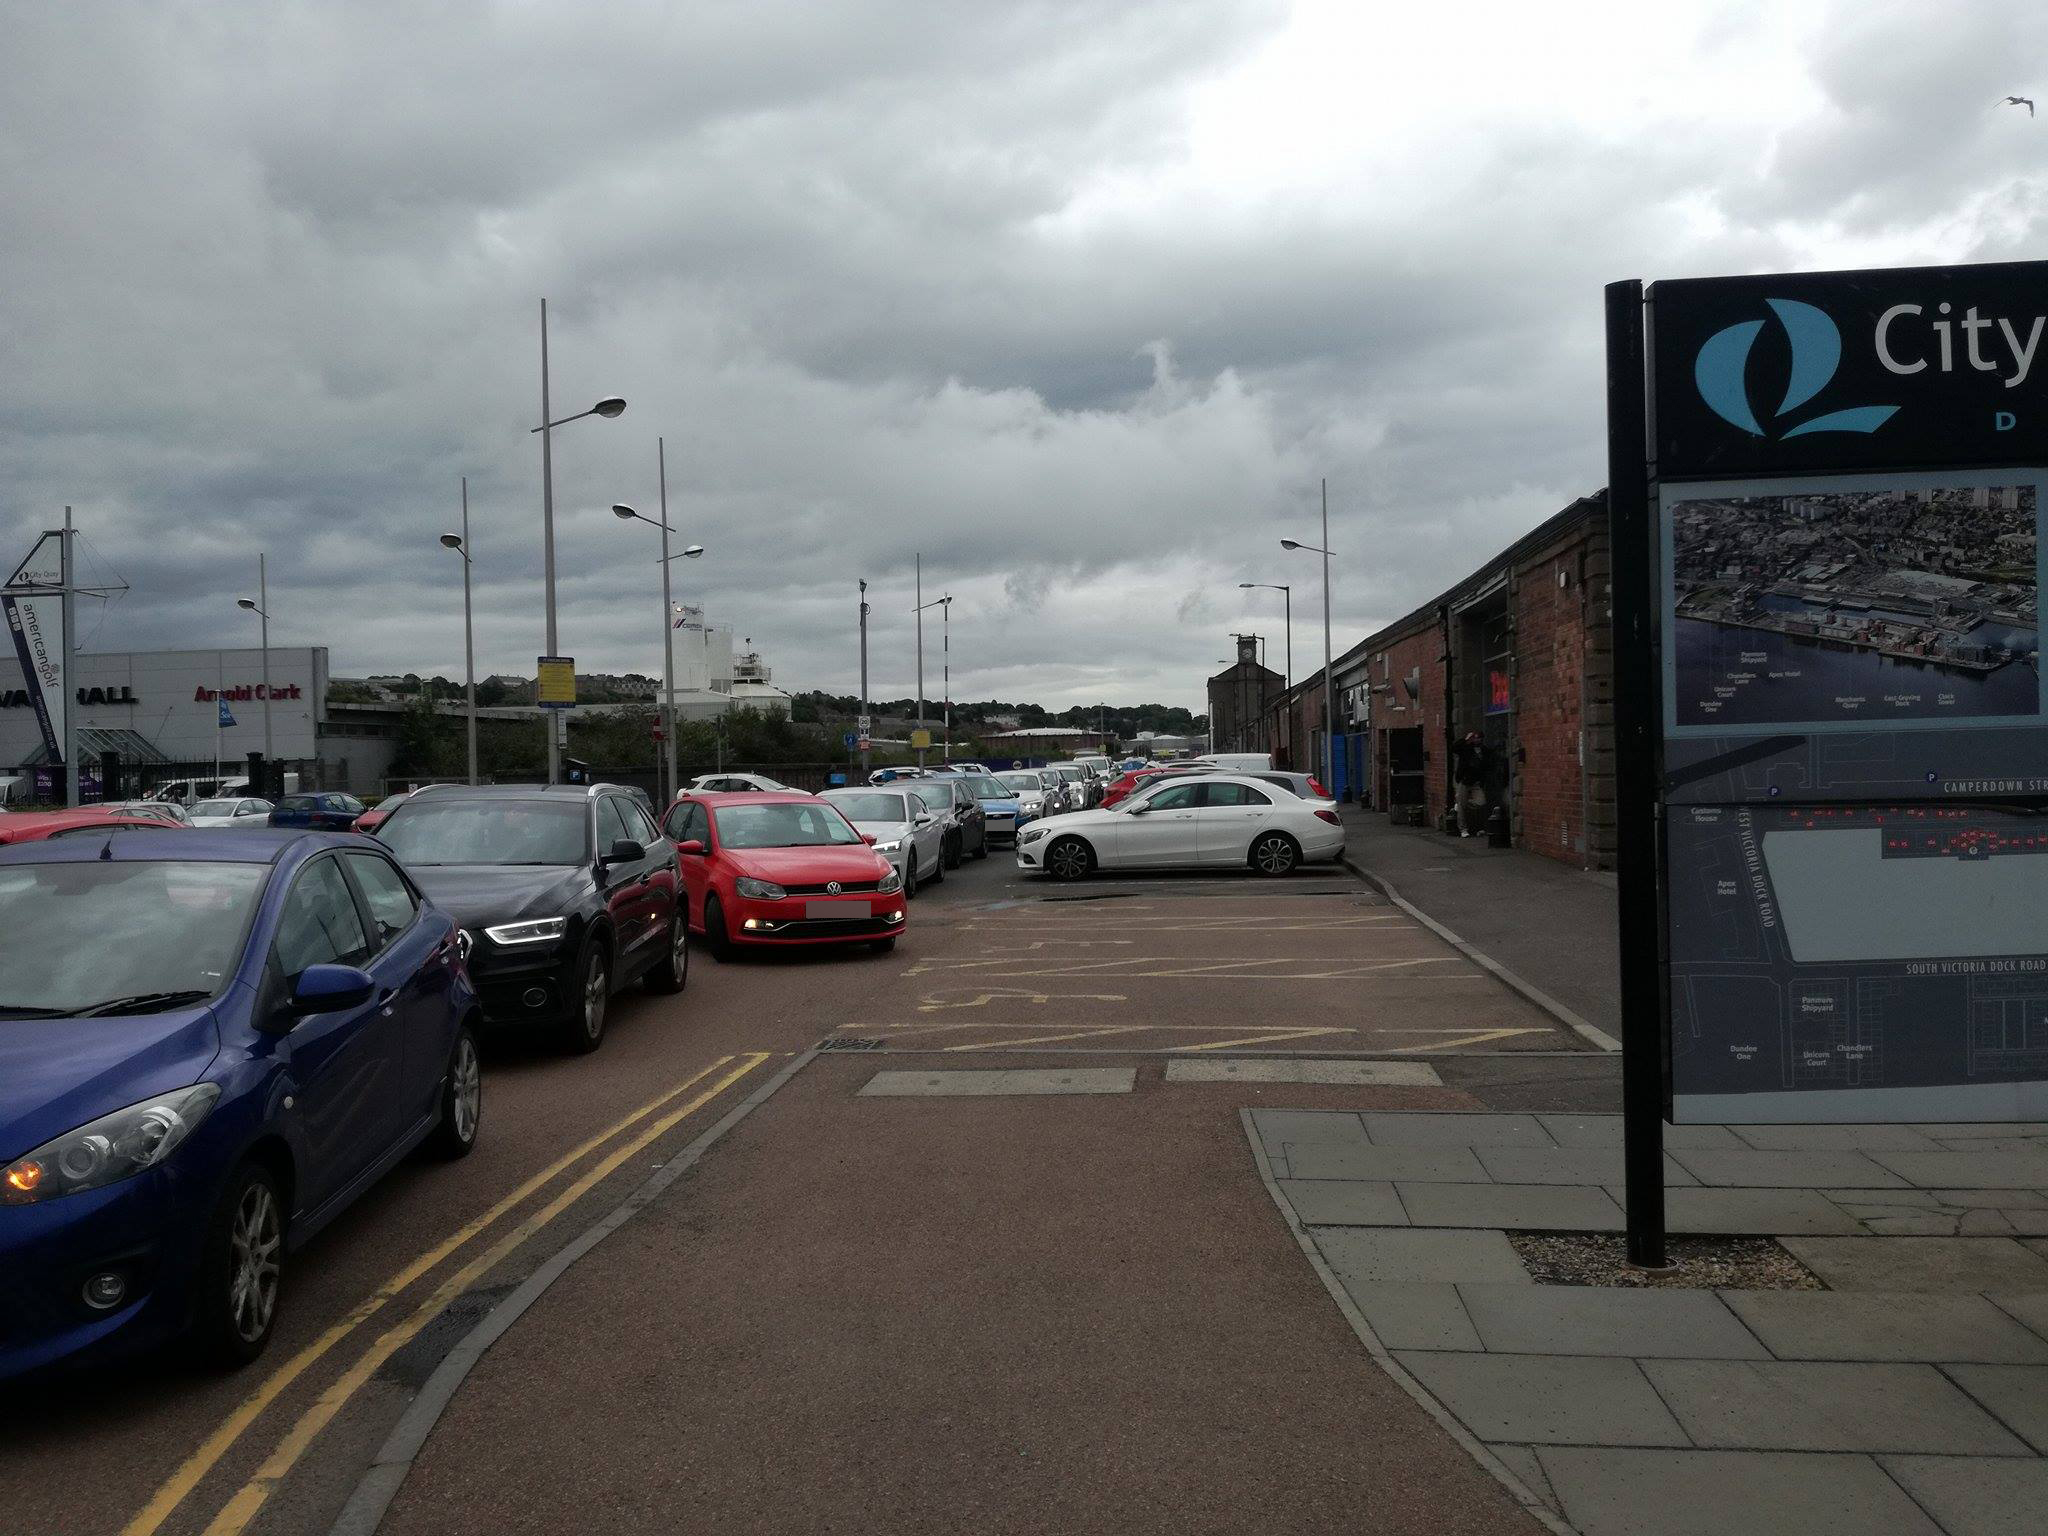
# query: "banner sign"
(1847, 521)
(35, 623)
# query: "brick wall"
(1563, 788)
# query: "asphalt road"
(833, 1291)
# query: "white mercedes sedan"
(905, 832)
(1188, 822)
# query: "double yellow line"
(243, 1507)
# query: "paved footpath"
(1910, 1396)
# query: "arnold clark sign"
(1849, 476)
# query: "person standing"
(1472, 774)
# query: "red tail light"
(1316, 786)
(1326, 814)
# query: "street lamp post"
(1287, 594)
(1329, 681)
(459, 542)
(668, 645)
(865, 723)
(946, 605)
(608, 407)
(261, 608)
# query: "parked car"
(167, 811)
(282, 1019)
(1215, 820)
(905, 832)
(1029, 787)
(376, 815)
(771, 870)
(737, 783)
(1131, 764)
(1121, 787)
(327, 811)
(1306, 785)
(37, 826)
(948, 798)
(1082, 790)
(1002, 812)
(1237, 762)
(568, 893)
(1098, 766)
(232, 813)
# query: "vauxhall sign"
(1904, 368)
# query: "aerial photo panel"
(1847, 605)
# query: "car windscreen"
(936, 797)
(784, 825)
(1024, 781)
(216, 808)
(78, 937)
(434, 830)
(987, 788)
(884, 808)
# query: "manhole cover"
(843, 1043)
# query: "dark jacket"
(1472, 763)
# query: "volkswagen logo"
(831, 887)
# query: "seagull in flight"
(2019, 101)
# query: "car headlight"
(891, 883)
(894, 845)
(111, 1148)
(759, 890)
(1031, 835)
(538, 931)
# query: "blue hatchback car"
(210, 1043)
(323, 812)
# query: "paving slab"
(1437, 1165)
(2030, 1308)
(948, 1085)
(1517, 1207)
(1978, 1170)
(1424, 1128)
(1309, 1127)
(1836, 1138)
(1232, 1069)
(1977, 1496)
(2018, 1394)
(1605, 1131)
(1344, 1202)
(1413, 1315)
(1748, 1168)
(1716, 1493)
(1607, 1320)
(1903, 1198)
(1869, 1325)
(1803, 1405)
(1968, 1130)
(1395, 1253)
(1753, 1212)
(1946, 1264)
(1566, 1165)
(1992, 1199)
(1548, 1399)
(1521, 1460)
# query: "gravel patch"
(1698, 1263)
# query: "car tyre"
(910, 876)
(1274, 853)
(714, 930)
(1069, 858)
(939, 866)
(673, 973)
(462, 1100)
(584, 1030)
(241, 1269)
(981, 850)
(950, 856)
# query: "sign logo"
(832, 887)
(1722, 373)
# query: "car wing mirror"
(330, 989)
(692, 845)
(624, 851)
(868, 838)
(924, 819)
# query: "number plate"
(835, 911)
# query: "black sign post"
(1637, 818)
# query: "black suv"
(566, 892)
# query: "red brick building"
(1520, 650)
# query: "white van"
(16, 790)
(1238, 762)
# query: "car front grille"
(845, 887)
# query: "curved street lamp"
(668, 624)
(1329, 681)
(459, 542)
(261, 608)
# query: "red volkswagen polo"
(779, 869)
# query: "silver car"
(1028, 785)
(905, 832)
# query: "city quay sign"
(1905, 368)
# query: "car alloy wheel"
(597, 992)
(255, 1240)
(1273, 854)
(466, 1089)
(1067, 859)
(910, 875)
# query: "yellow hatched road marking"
(1079, 1034)
(180, 1483)
(1267, 1039)
(1479, 1038)
(244, 1506)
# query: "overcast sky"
(1080, 299)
